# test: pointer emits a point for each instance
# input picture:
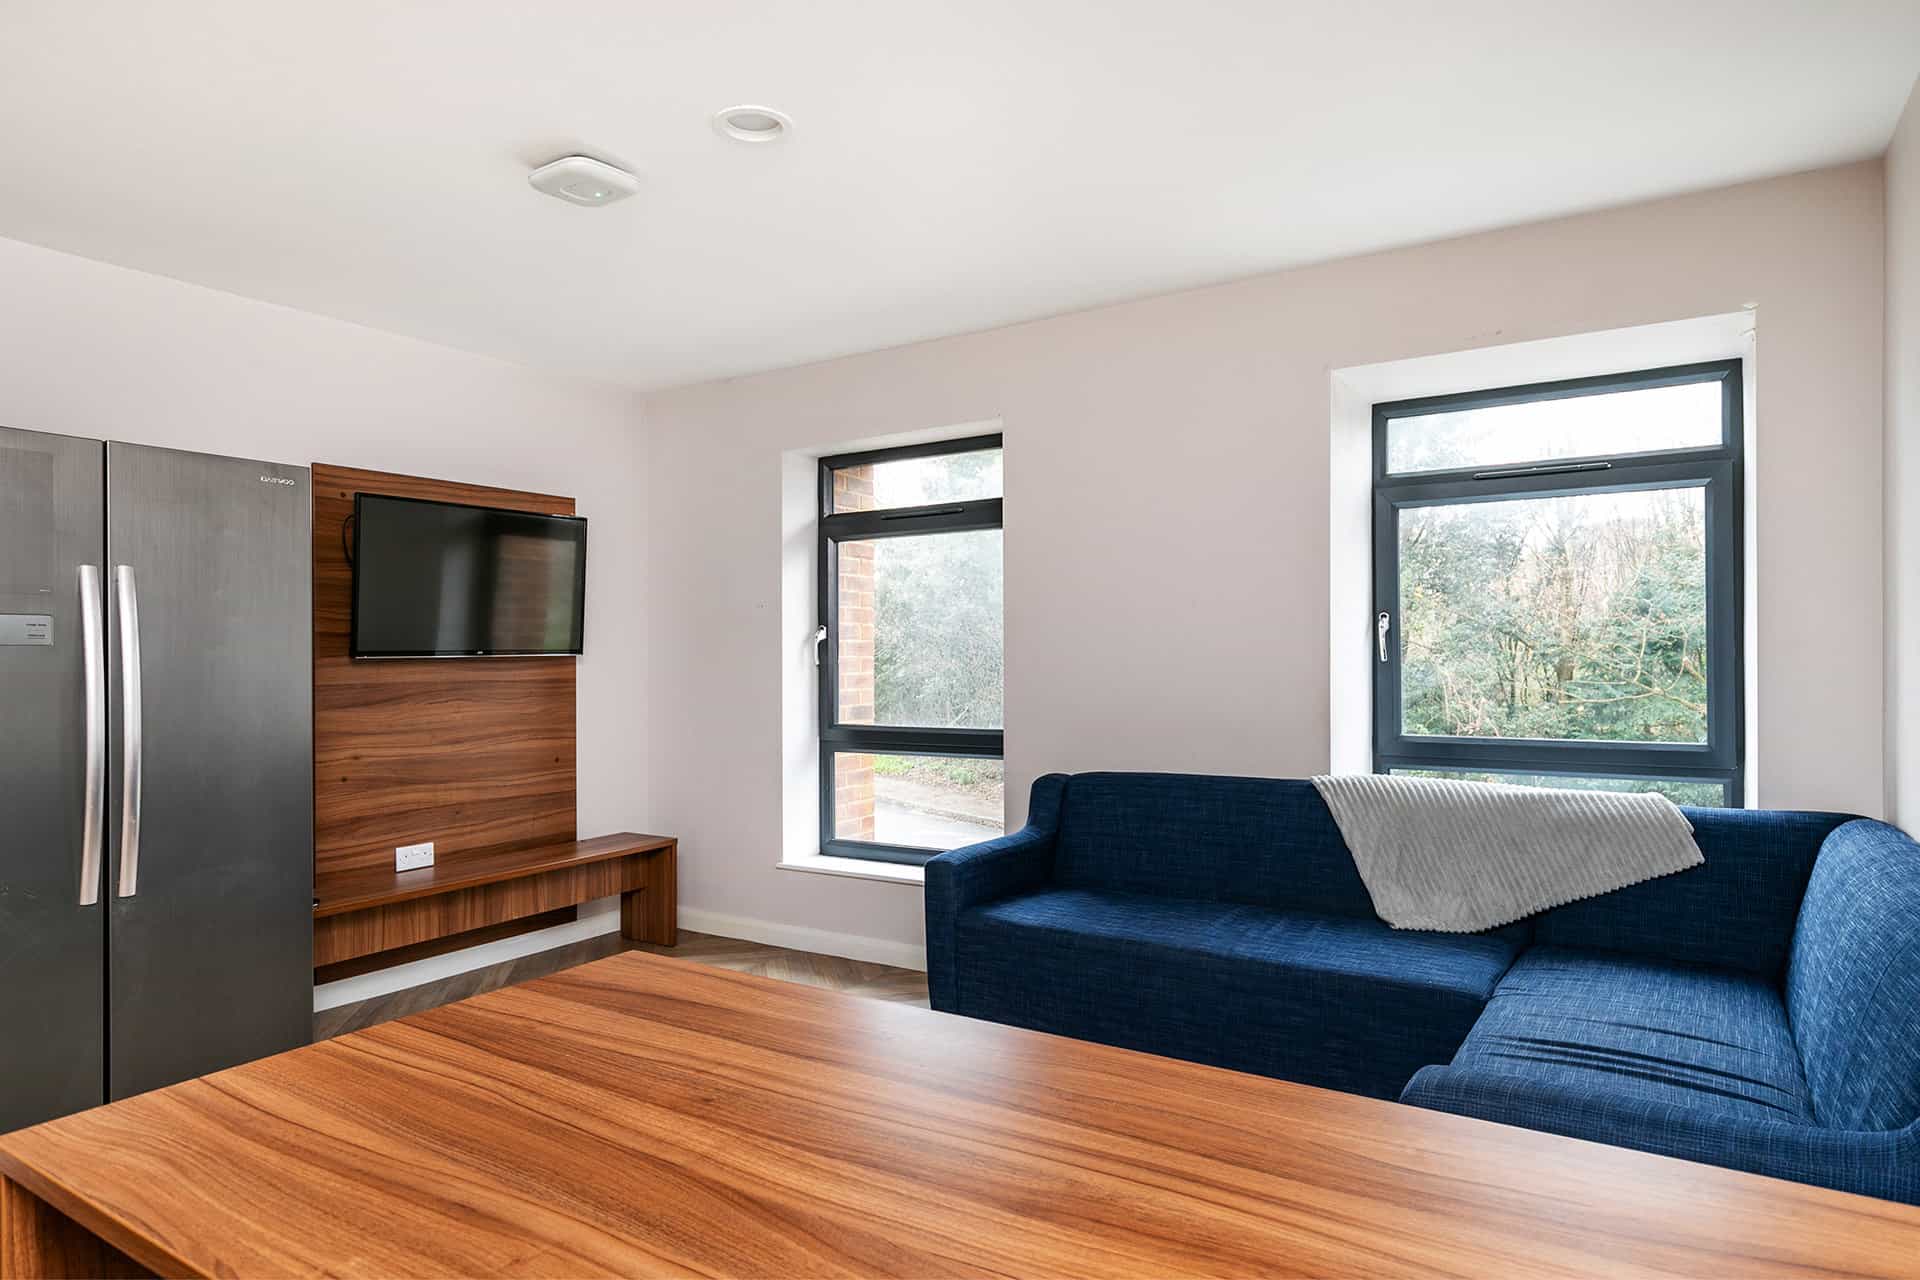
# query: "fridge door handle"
(130, 730)
(93, 817)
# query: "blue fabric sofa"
(1760, 1012)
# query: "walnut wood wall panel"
(475, 754)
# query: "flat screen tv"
(442, 580)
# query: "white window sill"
(821, 864)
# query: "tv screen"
(440, 580)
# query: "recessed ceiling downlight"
(747, 123)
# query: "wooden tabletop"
(645, 1116)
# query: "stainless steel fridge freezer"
(156, 789)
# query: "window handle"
(1381, 625)
(819, 638)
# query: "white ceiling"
(955, 166)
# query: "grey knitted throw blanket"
(1459, 857)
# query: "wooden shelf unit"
(364, 911)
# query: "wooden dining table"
(646, 1116)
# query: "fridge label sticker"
(26, 628)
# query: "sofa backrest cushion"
(1853, 988)
(1259, 841)
(1736, 912)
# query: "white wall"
(1903, 466)
(89, 349)
(1167, 510)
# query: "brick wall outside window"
(853, 774)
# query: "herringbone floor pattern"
(855, 977)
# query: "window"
(1557, 584)
(910, 650)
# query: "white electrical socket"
(411, 857)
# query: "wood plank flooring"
(856, 977)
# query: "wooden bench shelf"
(367, 911)
(357, 890)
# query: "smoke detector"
(583, 180)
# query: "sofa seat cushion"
(1596, 1029)
(1334, 1001)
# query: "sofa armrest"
(1853, 978)
(1884, 1163)
(980, 873)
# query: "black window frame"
(1719, 469)
(893, 522)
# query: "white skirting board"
(851, 946)
(601, 917)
